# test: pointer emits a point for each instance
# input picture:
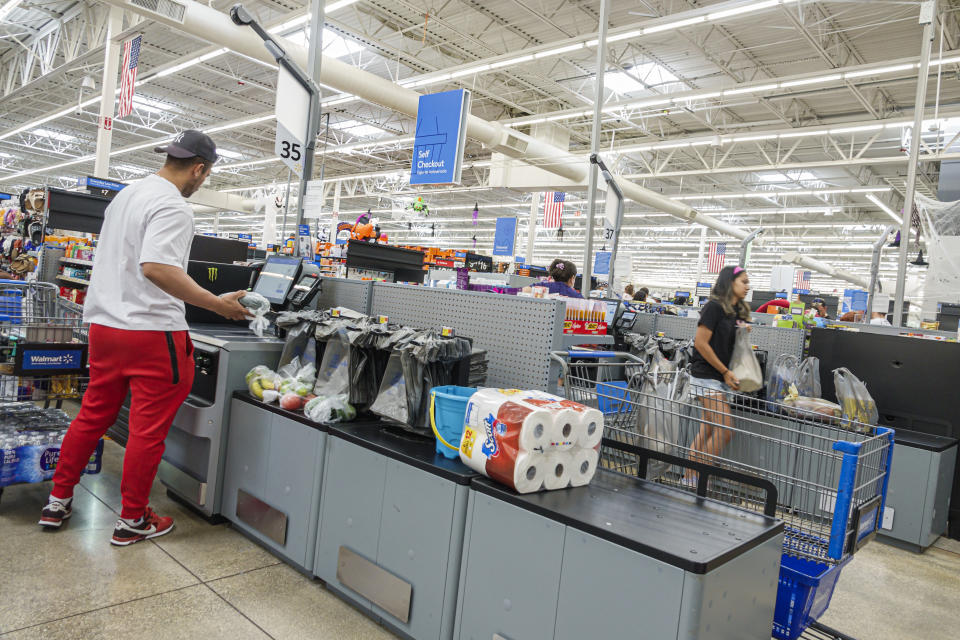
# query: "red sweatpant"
(157, 368)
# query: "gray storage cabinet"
(271, 484)
(918, 492)
(391, 527)
(620, 558)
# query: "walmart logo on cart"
(51, 359)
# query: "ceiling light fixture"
(887, 210)
(7, 8)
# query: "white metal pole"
(108, 88)
(595, 146)
(927, 11)
(532, 225)
(703, 246)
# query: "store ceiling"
(812, 103)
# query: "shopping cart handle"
(593, 354)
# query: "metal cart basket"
(43, 360)
(830, 475)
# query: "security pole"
(614, 189)
(927, 12)
(595, 146)
(305, 79)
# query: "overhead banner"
(441, 137)
(504, 236)
(292, 109)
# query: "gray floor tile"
(194, 612)
(47, 575)
(887, 593)
(209, 551)
(290, 606)
(947, 544)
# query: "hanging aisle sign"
(504, 236)
(293, 105)
(441, 137)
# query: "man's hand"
(230, 307)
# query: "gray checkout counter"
(619, 558)
(918, 493)
(392, 515)
(433, 551)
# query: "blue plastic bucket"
(803, 594)
(448, 410)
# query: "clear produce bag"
(744, 364)
(856, 403)
(808, 378)
(781, 376)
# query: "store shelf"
(74, 280)
(84, 263)
(573, 339)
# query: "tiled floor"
(210, 582)
(199, 581)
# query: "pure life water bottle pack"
(530, 440)
(30, 439)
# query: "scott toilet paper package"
(529, 440)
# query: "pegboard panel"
(777, 340)
(676, 327)
(645, 323)
(339, 292)
(517, 333)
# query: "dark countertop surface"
(296, 416)
(921, 440)
(673, 526)
(397, 443)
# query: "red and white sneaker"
(151, 526)
(55, 513)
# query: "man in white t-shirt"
(138, 333)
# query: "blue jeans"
(705, 385)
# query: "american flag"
(801, 281)
(128, 76)
(553, 209)
(717, 256)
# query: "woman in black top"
(709, 366)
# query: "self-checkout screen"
(277, 277)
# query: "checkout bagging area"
(326, 441)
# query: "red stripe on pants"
(143, 363)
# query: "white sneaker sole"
(55, 525)
(127, 543)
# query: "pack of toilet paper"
(531, 440)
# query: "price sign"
(293, 104)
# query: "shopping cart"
(43, 361)
(830, 475)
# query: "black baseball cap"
(191, 143)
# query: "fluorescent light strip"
(887, 210)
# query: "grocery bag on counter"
(300, 341)
(856, 403)
(333, 374)
(516, 438)
(370, 349)
(391, 401)
(428, 360)
(744, 364)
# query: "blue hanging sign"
(853, 300)
(441, 137)
(601, 263)
(99, 183)
(504, 236)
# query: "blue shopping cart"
(830, 475)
